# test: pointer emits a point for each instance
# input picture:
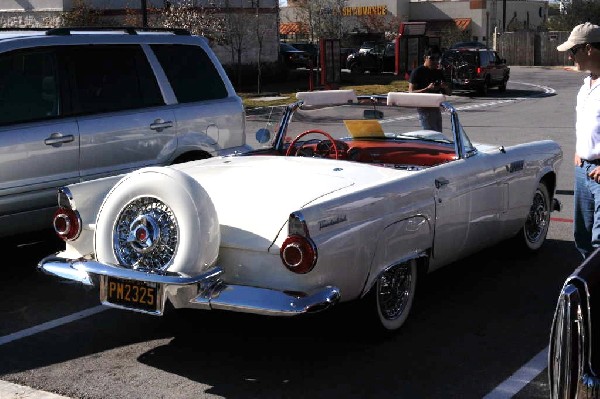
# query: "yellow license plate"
(132, 294)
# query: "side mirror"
(263, 135)
(372, 114)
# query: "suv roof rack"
(4, 28)
(130, 30)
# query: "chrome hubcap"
(146, 235)
(537, 220)
(394, 291)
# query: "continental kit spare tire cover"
(159, 219)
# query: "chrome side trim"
(265, 301)
(565, 354)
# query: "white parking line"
(513, 384)
(9, 390)
(51, 324)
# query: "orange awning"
(291, 28)
(462, 23)
(437, 26)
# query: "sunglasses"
(576, 48)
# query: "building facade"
(471, 20)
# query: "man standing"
(583, 45)
(428, 78)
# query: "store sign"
(364, 10)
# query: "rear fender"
(405, 239)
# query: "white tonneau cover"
(252, 193)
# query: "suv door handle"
(440, 182)
(56, 139)
(159, 125)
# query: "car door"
(389, 58)
(39, 149)
(123, 121)
(376, 56)
(471, 199)
(496, 71)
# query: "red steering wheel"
(309, 131)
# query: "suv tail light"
(298, 252)
(66, 223)
(478, 70)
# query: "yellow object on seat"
(364, 128)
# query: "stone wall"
(39, 19)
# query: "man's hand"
(595, 174)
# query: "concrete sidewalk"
(8, 390)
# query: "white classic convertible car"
(347, 200)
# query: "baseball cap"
(581, 34)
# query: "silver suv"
(81, 104)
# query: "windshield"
(374, 121)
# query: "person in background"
(583, 45)
(428, 78)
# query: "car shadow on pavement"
(484, 303)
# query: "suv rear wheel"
(502, 87)
(484, 88)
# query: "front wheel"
(391, 298)
(534, 231)
(356, 69)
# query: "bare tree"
(199, 20)
(260, 29)
(323, 18)
(235, 35)
(574, 13)
(83, 15)
(388, 24)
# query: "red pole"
(310, 76)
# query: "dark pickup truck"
(377, 59)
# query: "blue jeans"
(430, 118)
(586, 223)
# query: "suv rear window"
(28, 86)
(190, 72)
(469, 57)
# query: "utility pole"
(503, 16)
(144, 14)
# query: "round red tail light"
(67, 224)
(298, 253)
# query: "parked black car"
(311, 49)
(292, 57)
(475, 68)
(574, 355)
(469, 44)
(380, 58)
(344, 53)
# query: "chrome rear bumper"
(205, 291)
